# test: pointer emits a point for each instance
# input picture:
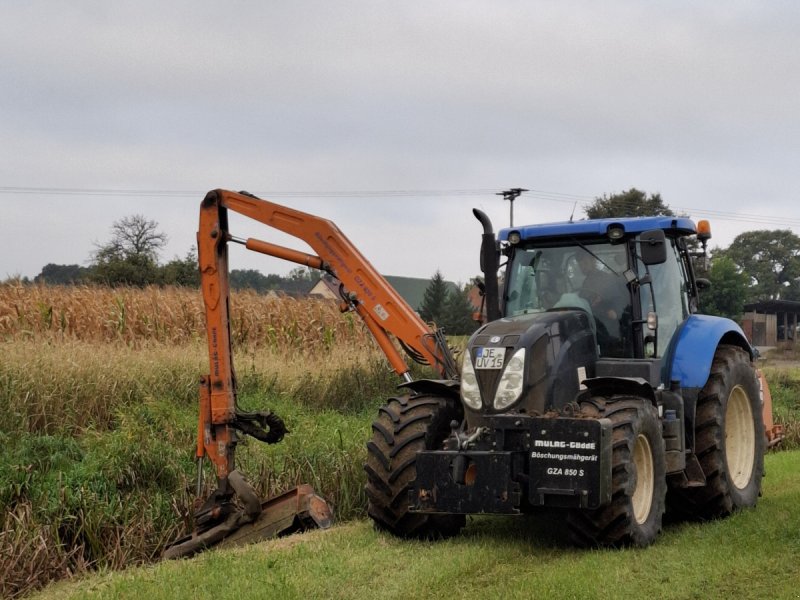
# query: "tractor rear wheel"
(404, 426)
(729, 440)
(638, 477)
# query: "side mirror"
(653, 247)
(703, 284)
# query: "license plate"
(490, 358)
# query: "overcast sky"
(161, 101)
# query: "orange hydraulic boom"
(220, 422)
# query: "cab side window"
(671, 296)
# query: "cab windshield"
(587, 277)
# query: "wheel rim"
(740, 439)
(643, 494)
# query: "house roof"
(772, 306)
(325, 287)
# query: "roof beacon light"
(703, 230)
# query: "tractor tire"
(404, 426)
(638, 477)
(729, 440)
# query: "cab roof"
(599, 227)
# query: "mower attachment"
(298, 509)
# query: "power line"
(56, 191)
(273, 193)
(95, 192)
(549, 196)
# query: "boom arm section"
(367, 292)
(364, 290)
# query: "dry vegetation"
(168, 315)
(98, 390)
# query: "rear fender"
(692, 350)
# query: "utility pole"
(511, 195)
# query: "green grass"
(750, 555)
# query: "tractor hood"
(542, 356)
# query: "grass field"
(98, 392)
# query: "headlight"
(510, 386)
(470, 392)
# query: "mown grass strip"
(750, 555)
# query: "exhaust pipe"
(489, 264)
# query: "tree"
(111, 269)
(249, 279)
(770, 260)
(458, 313)
(300, 280)
(729, 289)
(434, 300)
(632, 203)
(185, 271)
(135, 235)
(131, 256)
(62, 274)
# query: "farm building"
(771, 322)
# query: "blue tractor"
(594, 388)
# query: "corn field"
(169, 315)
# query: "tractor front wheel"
(638, 477)
(404, 426)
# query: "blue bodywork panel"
(599, 227)
(692, 350)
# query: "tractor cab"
(632, 276)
